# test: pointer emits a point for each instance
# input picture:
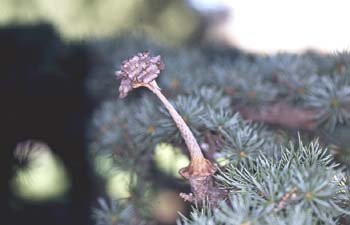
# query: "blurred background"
(40, 177)
(267, 26)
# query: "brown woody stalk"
(282, 114)
(141, 71)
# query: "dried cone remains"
(141, 70)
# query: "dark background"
(46, 174)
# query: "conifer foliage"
(244, 115)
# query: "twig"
(282, 114)
(141, 71)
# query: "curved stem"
(185, 131)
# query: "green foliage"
(331, 95)
(301, 186)
(272, 176)
(115, 212)
(243, 210)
